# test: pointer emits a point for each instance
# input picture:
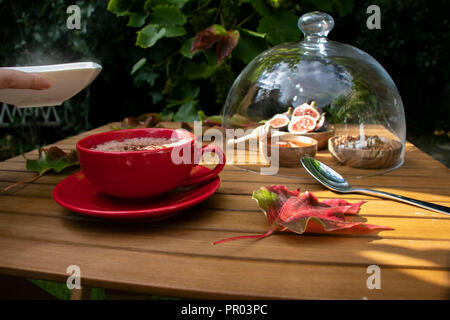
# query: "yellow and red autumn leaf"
(288, 210)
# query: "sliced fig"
(320, 122)
(302, 124)
(289, 111)
(279, 121)
(307, 110)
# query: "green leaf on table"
(138, 65)
(167, 15)
(187, 112)
(52, 158)
(215, 120)
(240, 121)
(202, 116)
(149, 35)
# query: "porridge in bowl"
(138, 144)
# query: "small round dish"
(321, 137)
(387, 153)
(289, 156)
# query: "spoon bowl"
(334, 181)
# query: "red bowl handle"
(210, 174)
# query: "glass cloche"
(326, 90)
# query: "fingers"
(13, 79)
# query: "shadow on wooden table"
(192, 232)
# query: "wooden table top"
(176, 257)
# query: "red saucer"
(77, 194)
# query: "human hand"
(13, 79)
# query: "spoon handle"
(418, 203)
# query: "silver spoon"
(334, 181)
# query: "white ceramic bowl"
(67, 80)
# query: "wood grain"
(176, 257)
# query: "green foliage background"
(143, 46)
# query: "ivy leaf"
(137, 17)
(148, 4)
(179, 3)
(149, 35)
(202, 116)
(138, 65)
(261, 7)
(119, 7)
(187, 112)
(199, 71)
(174, 31)
(279, 27)
(52, 158)
(213, 121)
(186, 48)
(147, 75)
(205, 39)
(167, 15)
(249, 47)
(226, 44)
(226, 41)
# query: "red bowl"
(146, 173)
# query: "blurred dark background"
(412, 45)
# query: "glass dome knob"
(315, 25)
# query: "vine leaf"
(174, 31)
(138, 65)
(288, 210)
(226, 44)
(167, 15)
(119, 7)
(137, 17)
(149, 35)
(186, 48)
(52, 158)
(226, 41)
(278, 27)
